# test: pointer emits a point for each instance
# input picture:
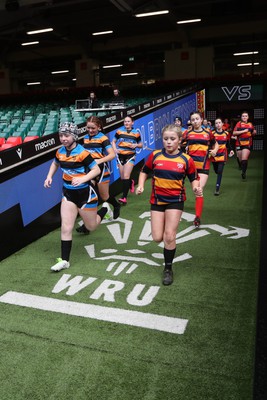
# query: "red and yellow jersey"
(198, 145)
(125, 139)
(226, 126)
(223, 140)
(168, 175)
(74, 163)
(245, 139)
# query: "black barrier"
(18, 155)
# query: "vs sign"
(243, 92)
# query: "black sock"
(219, 179)
(111, 200)
(244, 165)
(125, 187)
(66, 249)
(102, 212)
(168, 257)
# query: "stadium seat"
(24, 125)
(14, 124)
(29, 111)
(18, 115)
(14, 140)
(5, 133)
(6, 146)
(2, 141)
(2, 126)
(29, 138)
(35, 132)
(88, 114)
(20, 132)
(51, 126)
(5, 119)
(49, 132)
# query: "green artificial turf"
(50, 355)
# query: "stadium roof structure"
(135, 43)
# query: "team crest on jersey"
(180, 165)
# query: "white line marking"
(110, 314)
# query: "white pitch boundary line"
(110, 314)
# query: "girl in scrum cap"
(79, 196)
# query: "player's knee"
(157, 238)
(169, 237)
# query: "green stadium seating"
(35, 132)
(48, 132)
(20, 132)
(5, 133)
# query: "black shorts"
(243, 147)
(83, 198)
(203, 171)
(126, 158)
(169, 206)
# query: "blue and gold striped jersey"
(97, 145)
(73, 163)
(124, 139)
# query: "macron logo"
(19, 153)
